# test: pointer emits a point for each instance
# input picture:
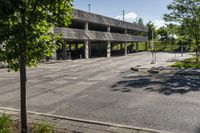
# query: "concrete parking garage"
(98, 35)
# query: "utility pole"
(89, 7)
(123, 15)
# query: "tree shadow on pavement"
(164, 83)
(197, 130)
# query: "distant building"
(93, 35)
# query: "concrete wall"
(78, 34)
(99, 19)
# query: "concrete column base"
(108, 49)
(54, 55)
(125, 48)
(64, 51)
(86, 49)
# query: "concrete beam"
(99, 19)
(108, 49)
(79, 34)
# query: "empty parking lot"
(105, 89)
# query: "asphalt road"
(105, 89)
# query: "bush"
(5, 124)
(42, 128)
(187, 63)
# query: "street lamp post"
(89, 7)
(182, 48)
(152, 46)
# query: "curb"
(139, 129)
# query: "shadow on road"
(198, 130)
(164, 83)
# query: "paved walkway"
(105, 89)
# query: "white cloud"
(159, 23)
(129, 17)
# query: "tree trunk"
(24, 128)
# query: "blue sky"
(147, 9)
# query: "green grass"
(5, 124)
(9, 126)
(42, 128)
(187, 63)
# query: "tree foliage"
(29, 23)
(151, 28)
(26, 36)
(187, 14)
(140, 21)
(163, 34)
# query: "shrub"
(42, 128)
(187, 63)
(5, 124)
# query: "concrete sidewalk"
(66, 124)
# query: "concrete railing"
(99, 19)
(78, 34)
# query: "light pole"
(152, 46)
(123, 15)
(89, 7)
(181, 48)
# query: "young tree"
(26, 36)
(151, 28)
(187, 13)
(140, 21)
(172, 34)
(163, 34)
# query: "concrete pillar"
(137, 48)
(126, 31)
(125, 43)
(76, 47)
(86, 25)
(86, 49)
(108, 28)
(64, 51)
(146, 46)
(121, 46)
(70, 47)
(54, 55)
(90, 49)
(132, 47)
(125, 48)
(108, 49)
(111, 46)
(70, 51)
